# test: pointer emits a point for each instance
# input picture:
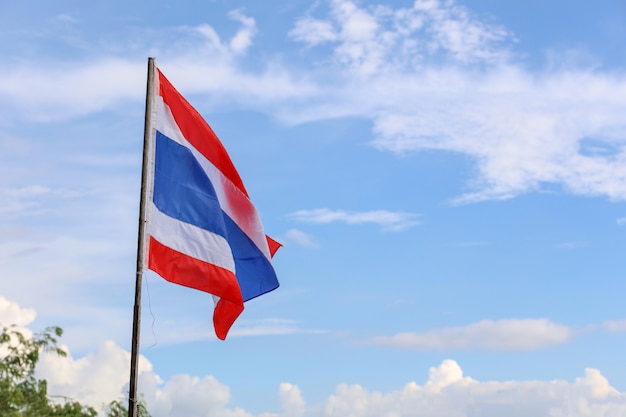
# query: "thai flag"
(202, 230)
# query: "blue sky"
(447, 178)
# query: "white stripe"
(191, 240)
(228, 195)
(149, 185)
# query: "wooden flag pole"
(147, 132)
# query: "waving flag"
(202, 230)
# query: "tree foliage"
(118, 409)
(23, 395)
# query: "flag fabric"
(202, 230)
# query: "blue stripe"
(254, 272)
(182, 190)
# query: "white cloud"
(34, 260)
(184, 395)
(433, 76)
(455, 30)
(66, 18)
(26, 201)
(394, 221)
(506, 334)
(446, 392)
(522, 131)
(78, 88)
(301, 238)
(615, 326)
(575, 244)
(243, 38)
(380, 38)
(596, 384)
(292, 402)
(12, 314)
(448, 373)
(99, 378)
(82, 378)
(313, 31)
(267, 327)
(198, 60)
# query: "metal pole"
(147, 132)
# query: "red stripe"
(198, 132)
(181, 269)
(273, 245)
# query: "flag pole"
(147, 132)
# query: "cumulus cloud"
(394, 221)
(446, 391)
(33, 259)
(184, 395)
(102, 376)
(82, 378)
(181, 395)
(292, 402)
(12, 313)
(507, 334)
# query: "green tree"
(118, 409)
(21, 393)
